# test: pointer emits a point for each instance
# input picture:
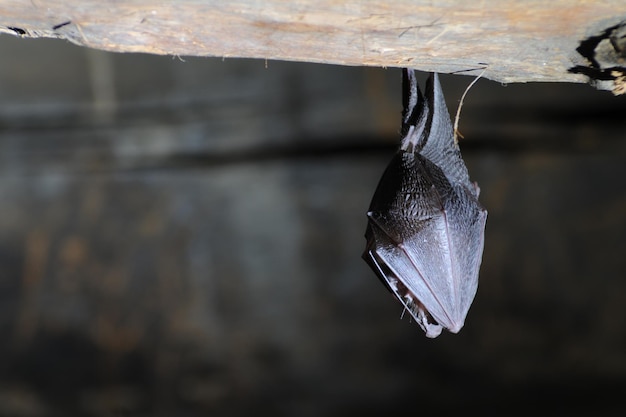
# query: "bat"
(426, 229)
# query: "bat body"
(425, 231)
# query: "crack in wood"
(606, 54)
(60, 25)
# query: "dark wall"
(183, 237)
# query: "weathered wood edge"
(512, 41)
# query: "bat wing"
(391, 262)
(423, 235)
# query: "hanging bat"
(425, 230)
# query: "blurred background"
(182, 237)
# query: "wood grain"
(516, 41)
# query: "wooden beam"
(516, 41)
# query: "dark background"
(182, 237)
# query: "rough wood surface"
(517, 41)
